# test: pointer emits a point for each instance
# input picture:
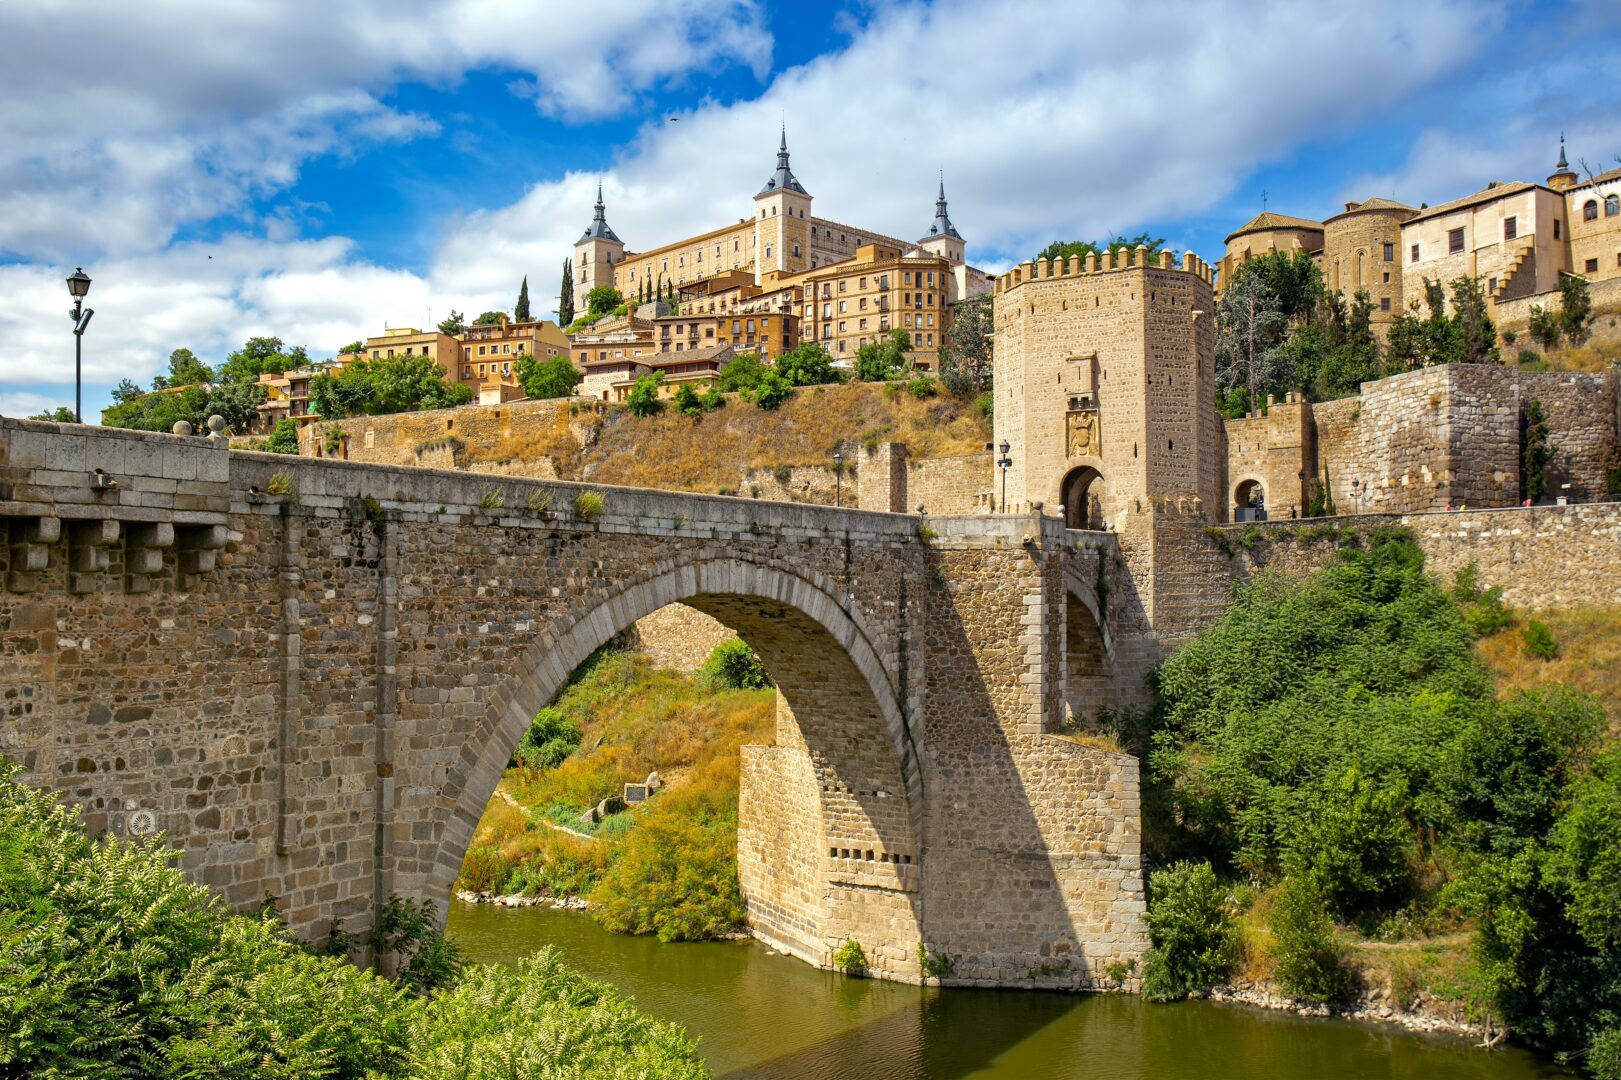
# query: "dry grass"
(706, 453)
(1591, 358)
(1589, 658)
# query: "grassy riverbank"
(667, 866)
(1373, 786)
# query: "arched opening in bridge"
(816, 780)
(1249, 501)
(1082, 497)
(1090, 692)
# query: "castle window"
(1491, 286)
(1511, 228)
(1387, 277)
(768, 251)
(1612, 205)
(1592, 266)
(1415, 253)
(1384, 303)
(796, 251)
(1590, 210)
(1454, 241)
(1556, 228)
(1390, 256)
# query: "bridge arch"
(838, 709)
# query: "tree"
(126, 390)
(186, 370)
(603, 299)
(453, 325)
(490, 318)
(1190, 924)
(742, 373)
(643, 399)
(965, 352)
(386, 385)
(1535, 452)
(283, 437)
(686, 400)
(354, 348)
(808, 364)
(1575, 307)
(1250, 330)
(565, 295)
(520, 310)
(59, 415)
(885, 358)
(1065, 249)
(732, 665)
(554, 377)
(1476, 336)
(770, 392)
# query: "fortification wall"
(1542, 556)
(1514, 316)
(950, 485)
(679, 637)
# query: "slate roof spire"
(783, 178)
(598, 229)
(942, 225)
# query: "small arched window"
(1612, 205)
(1590, 210)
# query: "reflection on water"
(761, 1015)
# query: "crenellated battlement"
(1137, 258)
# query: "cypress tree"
(565, 296)
(520, 310)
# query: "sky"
(318, 171)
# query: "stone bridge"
(309, 675)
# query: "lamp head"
(78, 283)
(1006, 446)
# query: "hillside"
(706, 453)
(1588, 656)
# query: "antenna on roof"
(1263, 200)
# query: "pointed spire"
(1563, 165)
(598, 229)
(782, 178)
(941, 226)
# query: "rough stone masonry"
(309, 676)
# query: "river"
(760, 1015)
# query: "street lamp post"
(78, 286)
(838, 479)
(1005, 464)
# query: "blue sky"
(317, 171)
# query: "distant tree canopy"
(808, 364)
(192, 391)
(262, 356)
(603, 299)
(553, 377)
(386, 385)
(184, 370)
(886, 358)
(1065, 249)
(490, 318)
(965, 349)
(456, 324)
(520, 310)
(59, 415)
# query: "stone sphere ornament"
(181, 427)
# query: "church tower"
(782, 217)
(943, 239)
(596, 253)
(1563, 178)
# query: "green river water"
(757, 1014)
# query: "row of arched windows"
(1612, 207)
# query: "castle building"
(776, 262)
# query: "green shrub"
(550, 738)
(542, 1020)
(734, 666)
(483, 869)
(850, 957)
(588, 505)
(1309, 963)
(1190, 925)
(923, 387)
(686, 400)
(676, 872)
(283, 438)
(770, 392)
(1604, 1054)
(409, 929)
(985, 404)
(643, 399)
(1539, 641)
(1483, 610)
(1354, 843)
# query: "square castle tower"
(1104, 395)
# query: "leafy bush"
(643, 399)
(808, 364)
(686, 400)
(1483, 610)
(676, 873)
(542, 1020)
(1356, 846)
(923, 387)
(409, 929)
(734, 666)
(1190, 925)
(850, 957)
(985, 404)
(483, 869)
(1604, 1054)
(283, 438)
(1539, 641)
(554, 377)
(770, 392)
(1309, 963)
(742, 373)
(550, 738)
